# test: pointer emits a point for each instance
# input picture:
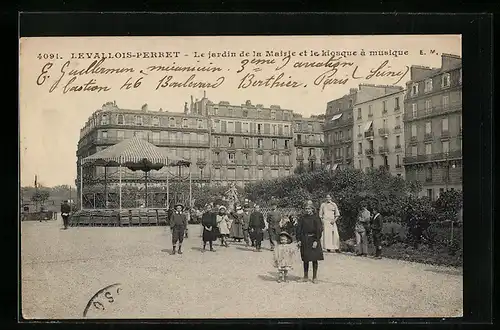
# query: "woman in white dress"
(329, 213)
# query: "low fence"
(37, 216)
(125, 217)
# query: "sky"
(50, 120)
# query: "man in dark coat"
(256, 227)
(65, 211)
(178, 225)
(273, 222)
(309, 232)
(376, 228)
(245, 223)
(209, 223)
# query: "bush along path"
(415, 228)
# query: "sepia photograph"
(230, 177)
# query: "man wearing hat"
(273, 222)
(309, 232)
(245, 221)
(256, 227)
(178, 225)
(65, 212)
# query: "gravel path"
(63, 269)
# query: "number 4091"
(48, 56)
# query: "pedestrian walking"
(187, 212)
(237, 225)
(360, 230)
(209, 223)
(284, 255)
(178, 224)
(376, 228)
(65, 212)
(329, 213)
(309, 232)
(256, 227)
(223, 224)
(245, 221)
(273, 223)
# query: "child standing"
(283, 255)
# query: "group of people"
(312, 231)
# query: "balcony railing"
(399, 166)
(369, 152)
(308, 143)
(370, 115)
(445, 134)
(360, 135)
(383, 132)
(360, 152)
(397, 147)
(383, 150)
(437, 110)
(397, 108)
(413, 139)
(369, 134)
(428, 137)
(157, 142)
(397, 129)
(443, 156)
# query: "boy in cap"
(178, 225)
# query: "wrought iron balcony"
(369, 134)
(428, 137)
(397, 108)
(443, 156)
(369, 152)
(413, 139)
(397, 147)
(383, 150)
(313, 143)
(384, 132)
(445, 135)
(436, 110)
(397, 129)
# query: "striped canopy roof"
(134, 153)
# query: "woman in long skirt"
(309, 232)
(237, 225)
(209, 227)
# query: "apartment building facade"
(179, 134)
(248, 142)
(309, 142)
(433, 126)
(378, 133)
(339, 123)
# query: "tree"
(448, 205)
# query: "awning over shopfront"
(368, 125)
(336, 117)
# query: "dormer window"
(171, 122)
(156, 121)
(445, 80)
(185, 122)
(120, 120)
(138, 120)
(273, 114)
(428, 86)
(104, 120)
(414, 90)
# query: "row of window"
(429, 85)
(428, 126)
(445, 147)
(370, 144)
(260, 174)
(219, 141)
(273, 159)
(384, 108)
(371, 162)
(181, 137)
(223, 126)
(214, 111)
(155, 121)
(428, 106)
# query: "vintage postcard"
(241, 177)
